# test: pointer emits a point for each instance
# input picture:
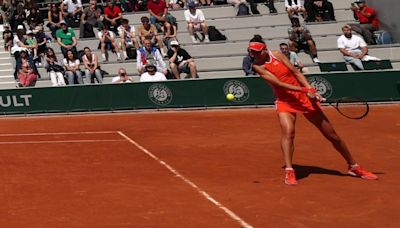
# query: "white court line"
(59, 133)
(189, 182)
(64, 141)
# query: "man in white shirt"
(107, 42)
(151, 74)
(196, 22)
(122, 77)
(128, 37)
(353, 48)
(73, 13)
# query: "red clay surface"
(103, 180)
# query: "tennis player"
(295, 95)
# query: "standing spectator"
(91, 64)
(353, 48)
(151, 74)
(127, 35)
(90, 19)
(368, 21)
(292, 56)
(300, 39)
(247, 64)
(180, 61)
(7, 37)
(196, 22)
(73, 13)
(122, 77)
(294, 7)
(55, 17)
(54, 68)
(159, 13)
(34, 19)
(169, 33)
(149, 31)
(72, 68)
(66, 39)
(112, 16)
(148, 53)
(26, 76)
(108, 42)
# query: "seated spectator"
(268, 3)
(17, 18)
(127, 35)
(66, 39)
(41, 42)
(151, 74)
(90, 19)
(300, 39)
(19, 41)
(180, 61)
(122, 77)
(24, 58)
(32, 43)
(34, 19)
(176, 4)
(108, 42)
(72, 68)
(368, 21)
(112, 16)
(149, 31)
(159, 13)
(169, 33)
(236, 3)
(292, 56)
(196, 22)
(7, 37)
(294, 7)
(7, 9)
(91, 63)
(148, 53)
(54, 68)
(26, 76)
(72, 14)
(54, 17)
(247, 64)
(353, 48)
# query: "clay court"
(206, 168)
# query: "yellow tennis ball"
(230, 97)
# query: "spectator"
(292, 56)
(127, 35)
(247, 64)
(73, 13)
(108, 42)
(169, 33)
(18, 17)
(90, 19)
(72, 68)
(26, 76)
(112, 16)
(55, 17)
(24, 58)
(180, 61)
(149, 31)
(268, 3)
(66, 38)
(19, 41)
(300, 39)
(159, 13)
(319, 10)
(34, 19)
(122, 77)
(196, 22)
(236, 3)
(151, 74)
(6, 10)
(54, 68)
(148, 53)
(176, 4)
(353, 48)
(368, 21)
(91, 64)
(32, 44)
(41, 42)
(7, 37)
(294, 7)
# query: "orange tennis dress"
(288, 100)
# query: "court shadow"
(303, 171)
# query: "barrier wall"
(372, 86)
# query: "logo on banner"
(323, 86)
(160, 94)
(238, 89)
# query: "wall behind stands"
(372, 86)
(388, 15)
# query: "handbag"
(56, 68)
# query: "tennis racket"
(350, 107)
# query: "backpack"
(214, 34)
(384, 38)
(243, 10)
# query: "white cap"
(20, 27)
(174, 42)
(29, 32)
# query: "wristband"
(306, 90)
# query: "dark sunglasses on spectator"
(145, 21)
(123, 74)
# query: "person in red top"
(112, 16)
(159, 13)
(295, 95)
(368, 21)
